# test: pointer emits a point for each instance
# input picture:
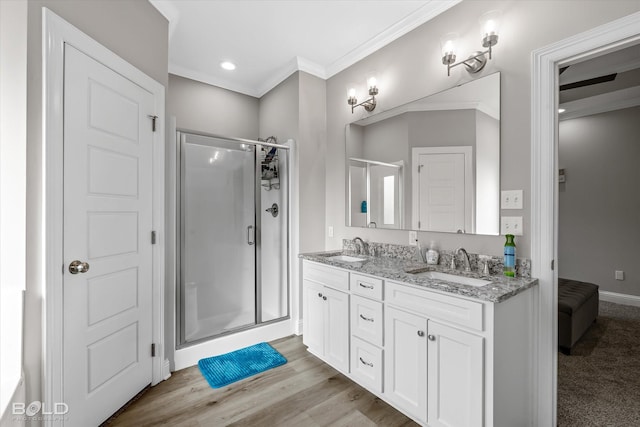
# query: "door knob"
(78, 267)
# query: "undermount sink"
(345, 258)
(461, 280)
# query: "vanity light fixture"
(369, 104)
(489, 23)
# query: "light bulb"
(448, 46)
(351, 93)
(490, 25)
(372, 82)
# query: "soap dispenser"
(432, 255)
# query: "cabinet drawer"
(366, 319)
(436, 306)
(370, 287)
(366, 364)
(330, 276)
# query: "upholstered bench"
(577, 310)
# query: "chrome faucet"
(361, 246)
(467, 266)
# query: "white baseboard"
(620, 298)
(166, 370)
(298, 328)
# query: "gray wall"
(599, 225)
(201, 107)
(137, 32)
(296, 109)
(411, 67)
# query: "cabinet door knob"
(319, 294)
(431, 337)
(324, 298)
(420, 333)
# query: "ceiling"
(268, 40)
(622, 90)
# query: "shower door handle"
(251, 238)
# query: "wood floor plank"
(303, 392)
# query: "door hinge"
(153, 237)
(153, 122)
(553, 263)
(153, 350)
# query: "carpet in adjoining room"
(599, 383)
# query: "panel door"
(313, 324)
(336, 333)
(443, 189)
(405, 370)
(107, 323)
(455, 373)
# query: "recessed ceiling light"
(227, 65)
(561, 110)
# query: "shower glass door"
(217, 228)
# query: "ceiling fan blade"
(589, 82)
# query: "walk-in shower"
(232, 235)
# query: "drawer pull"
(366, 363)
(368, 319)
(365, 286)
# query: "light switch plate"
(619, 275)
(511, 225)
(511, 199)
(413, 238)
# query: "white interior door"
(107, 324)
(443, 189)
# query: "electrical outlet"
(619, 275)
(413, 238)
(511, 199)
(511, 225)
(330, 232)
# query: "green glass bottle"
(510, 256)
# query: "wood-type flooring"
(303, 392)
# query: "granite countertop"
(500, 288)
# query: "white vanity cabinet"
(326, 314)
(441, 358)
(433, 372)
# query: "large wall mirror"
(431, 165)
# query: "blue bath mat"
(228, 368)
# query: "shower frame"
(180, 342)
